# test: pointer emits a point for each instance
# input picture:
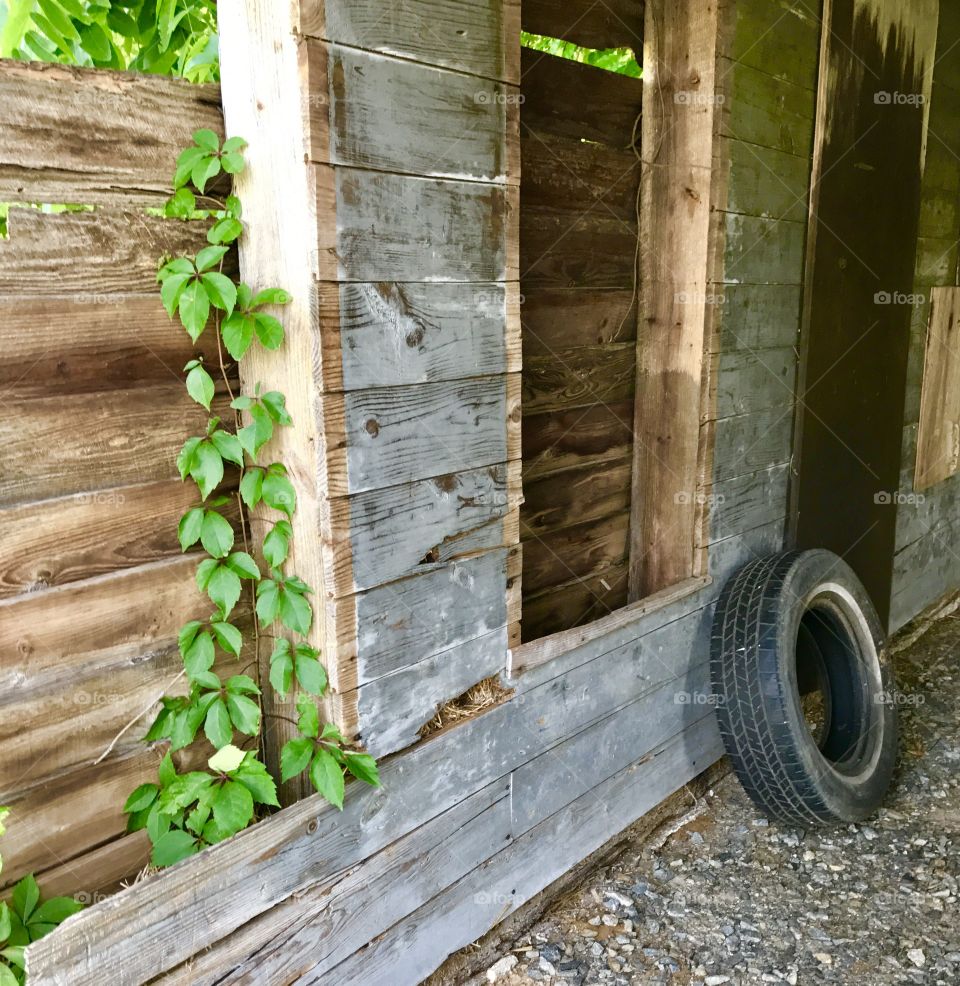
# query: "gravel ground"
(731, 898)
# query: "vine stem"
(137, 718)
(243, 516)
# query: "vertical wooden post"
(679, 106)
(265, 102)
(382, 193)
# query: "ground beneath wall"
(731, 898)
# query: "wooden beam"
(680, 98)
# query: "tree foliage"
(166, 37)
(620, 60)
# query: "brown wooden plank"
(100, 706)
(591, 249)
(47, 637)
(575, 496)
(679, 90)
(611, 24)
(83, 135)
(565, 173)
(82, 443)
(575, 604)
(938, 451)
(96, 875)
(68, 539)
(558, 318)
(61, 819)
(562, 440)
(575, 552)
(87, 255)
(52, 346)
(579, 377)
(553, 89)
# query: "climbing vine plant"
(185, 812)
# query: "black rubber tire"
(808, 609)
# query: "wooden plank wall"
(92, 584)
(578, 247)
(476, 820)
(928, 534)
(410, 325)
(767, 78)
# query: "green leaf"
(330, 732)
(206, 139)
(199, 655)
(224, 589)
(200, 386)
(248, 439)
(186, 162)
(171, 289)
(229, 637)
(188, 632)
(157, 824)
(308, 721)
(281, 667)
(276, 545)
(4, 924)
(221, 291)
(228, 446)
(173, 847)
(25, 896)
(255, 777)
(194, 309)
(233, 163)
(7, 978)
(216, 726)
(234, 144)
(207, 468)
(167, 772)
(226, 760)
(269, 331)
(310, 672)
(244, 713)
(295, 612)
(205, 571)
(237, 333)
(225, 230)
(242, 684)
(295, 756)
(188, 530)
(262, 427)
(209, 257)
(272, 296)
(268, 601)
(326, 775)
(142, 797)
(276, 405)
(180, 205)
(363, 767)
(251, 487)
(187, 456)
(232, 807)
(56, 910)
(278, 492)
(207, 167)
(16, 26)
(241, 563)
(216, 534)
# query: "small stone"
(716, 980)
(697, 839)
(823, 958)
(500, 968)
(916, 956)
(548, 967)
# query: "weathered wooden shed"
(549, 329)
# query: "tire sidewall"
(821, 576)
